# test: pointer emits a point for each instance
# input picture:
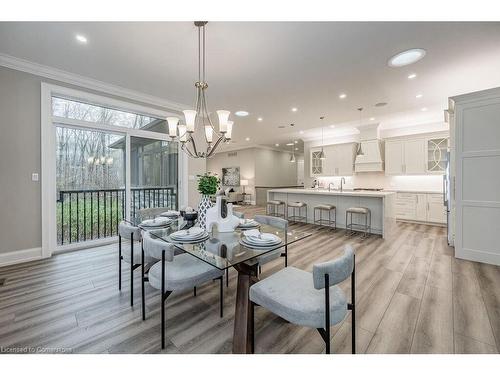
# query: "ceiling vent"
(232, 154)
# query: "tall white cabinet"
(477, 185)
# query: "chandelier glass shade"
(200, 116)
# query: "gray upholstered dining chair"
(127, 254)
(177, 273)
(278, 223)
(298, 296)
(150, 255)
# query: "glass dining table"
(224, 250)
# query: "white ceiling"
(267, 68)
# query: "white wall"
(245, 159)
(273, 168)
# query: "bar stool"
(328, 208)
(275, 205)
(294, 206)
(366, 229)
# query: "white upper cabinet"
(339, 160)
(394, 158)
(416, 155)
(414, 161)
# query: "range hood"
(372, 158)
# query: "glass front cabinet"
(437, 155)
(316, 163)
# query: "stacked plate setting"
(159, 222)
(248, 224)
(255, 239)
(191, 235)
(170, 213)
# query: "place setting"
(246, 224)
(156, 223)
(189, 236)
(254, 239)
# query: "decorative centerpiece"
(207, 186)
(221, 216)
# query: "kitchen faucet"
(342, 182)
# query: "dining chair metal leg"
(252, 327)
(132, 269)
(119, 262)
(143, 297)
(221, 297)
(227, 277)
(352, 306)
(327, 312)
(194, 291)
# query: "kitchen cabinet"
(436, 211)
(416, 155)
(339, 160)
(421, 207)
(394, 158)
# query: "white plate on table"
(259, 247)
(255, 237)
(157, 222)
(203, 238)
(170, 213)
(248, 224)
(189, 234)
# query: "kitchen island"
(381, 204)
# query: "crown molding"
(45, 71)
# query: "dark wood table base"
(243, 316)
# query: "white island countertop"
(345, 192)
(381, 205)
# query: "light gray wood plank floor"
(413, 296)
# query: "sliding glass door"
(90, 183)
(107, 161)
(153, 174)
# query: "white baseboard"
(478, 256)
(20, 256)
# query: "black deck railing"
(84, 215)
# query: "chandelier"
(200, 116)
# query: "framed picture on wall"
(231, 176)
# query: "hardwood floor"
(412, 297)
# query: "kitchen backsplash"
(380, 180)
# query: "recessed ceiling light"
(296, 149)
(406, 57)
(294, 109)
(241, 113)
(259, 119)
(301, 132)
(295, 142)
(342, 96)
(412, 76)
(372, 118)
(424, 109)
(81, 38)
(332, 126)
(277, 144)
(289, 144)
(247, 139)
(418, 96)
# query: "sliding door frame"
(48, 154)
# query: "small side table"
(247, 199)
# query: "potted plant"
(208, 184)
